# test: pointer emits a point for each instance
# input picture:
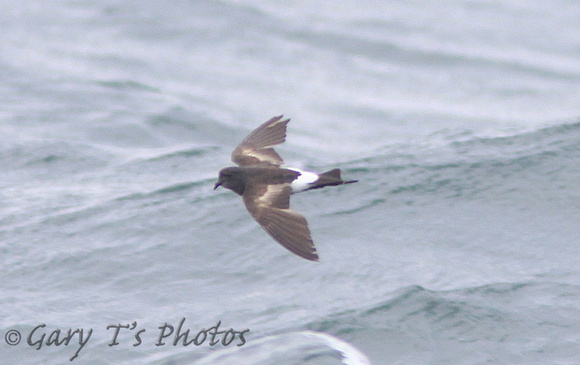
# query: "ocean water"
(459, 245)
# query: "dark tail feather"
(331, 177)
(334, 174)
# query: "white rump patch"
(303, 181)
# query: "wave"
(469, 167)
(303, 347)
(418, 325)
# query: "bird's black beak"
(217, 184)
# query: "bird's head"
(231, 178)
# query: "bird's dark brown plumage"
(265, 187)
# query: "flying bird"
(265, 187)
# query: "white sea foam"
(289, 346)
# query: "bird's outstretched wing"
(256, 148)
(270, 207)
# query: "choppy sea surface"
(459, 245)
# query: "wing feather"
(256, 148)
(269, 205)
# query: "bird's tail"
(331, 177)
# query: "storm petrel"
(265, 187)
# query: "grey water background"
(459, 245)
